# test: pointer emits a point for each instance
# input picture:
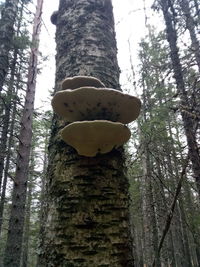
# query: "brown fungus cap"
(92, 137)
(88, 103)
(81, 81)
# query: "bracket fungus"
(54, 17)
(92, 137)
(98, 115)
(81, 81)
(89, 103)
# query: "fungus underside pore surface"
(92, 137)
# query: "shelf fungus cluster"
(97, 114)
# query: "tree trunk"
(187, 120)
(16, 222)
(149, 217)
(7, 164)
(193, 226)
(8, 158)
(9, 103)
(26, 236)
(187, 254)
(87, 216)
(168, 250)
(148, 196)
(197, 9)
(190, 25)
(6, 120)
(184, 256)
(42, 218)
(7, 21)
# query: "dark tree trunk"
(6, 118)
(188, 121)
(16, 222)
(87, 216)
(7, 164)
(9, 103)
(197, 8)
(190, 25)
(7, 21)
(26, 236)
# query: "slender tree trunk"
(168, 255)
(25, 250)
(187, 120)
(192, 225)
(185, 258)
(149, 208)
(42, 217)
(88, 214)
(190, 25)
(197, 8)
(7, 21)
(6, 118)
(187, 254)
(16, 223)
(10, 95)
(7, 164)
(150, 224)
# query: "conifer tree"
(8, 17)
(16, 223)
(188, 120)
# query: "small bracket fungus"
(54, 17)
(92, 137)
(88, 103)
(81, 81)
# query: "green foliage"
(161, 146)
(22, 42)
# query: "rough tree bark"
(150, 225)
(188, 121)
(9, 98)
(6, 117)
(16, 222)
(87, 216)
(7, 164)
(6, 36)
(190, 25)
(26, 233)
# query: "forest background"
(159, 57)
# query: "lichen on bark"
(87, 214)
